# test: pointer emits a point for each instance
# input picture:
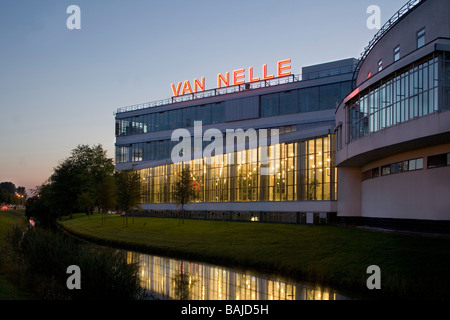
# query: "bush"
(44, 256)
(106, 275)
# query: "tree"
(107, 195)
(10, 194)
(77, 180)
(21, 190)
(41, 207)
(128, 191)
(8, 186)
(184, 190)
(86, 202)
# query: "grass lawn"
(7, 290)
(411, 266)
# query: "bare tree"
(184, 190)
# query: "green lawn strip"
(9, 291)
(337, 256)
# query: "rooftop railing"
(384, 29)
(240, 88)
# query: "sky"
(60, 87)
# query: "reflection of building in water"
(207, 282)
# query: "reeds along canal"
(168, 278)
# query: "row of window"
(402, 166)
(397, 167)
(434, 161)
(280, 103)
(420, 42)
(303, 100)
(296, 171)
(161, 149)
(409, 95)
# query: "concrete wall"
(422, 194)
(349, 192)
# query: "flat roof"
(319, 71)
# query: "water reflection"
(183, 280)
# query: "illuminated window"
(298, 171)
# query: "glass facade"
(303, 100)
(161, 149)
(408, 95)
(280, 103)
(170, 120)
(297, 171)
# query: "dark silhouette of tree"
(107, 195)
(41, 206)
(8, 186)
(77, 180)
(128, 191)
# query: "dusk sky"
(60, 87)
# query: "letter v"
(177, 92)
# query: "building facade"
(360, 141)
(299, 182)
(393, 130)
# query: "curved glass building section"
(393, 129)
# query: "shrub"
(42, 257)
(106, 275)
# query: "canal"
(167, 278)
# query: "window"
(416, 164)
(421, 38)
(370, 174)
(440, 160)
(380, 65)
(402, 166)
(414, 93)
(397, 53)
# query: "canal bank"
(411, 267)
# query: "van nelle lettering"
(198, 310)
(237, 78)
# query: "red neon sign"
(238, 77)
